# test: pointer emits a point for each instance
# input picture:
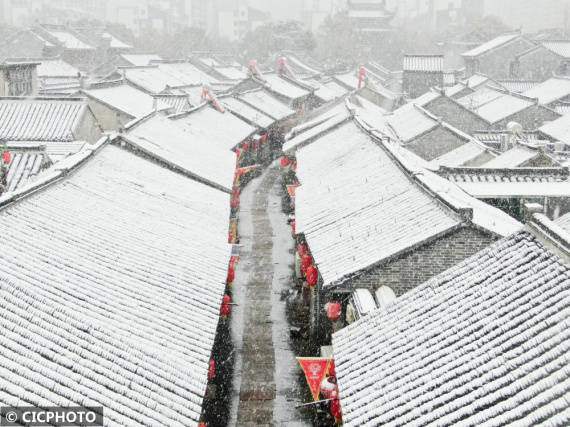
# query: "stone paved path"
(259, 328)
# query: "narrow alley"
(260, 329)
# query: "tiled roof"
(512, 158)
(461, 155)
(429, 63)
(327, 91)
(140, 59)
(481, 96)
(409, 122)
(208, 127)
(165, 140)
(54, 68)
(127, 99)
(558, 129)
(502, 107)
(549, 91)
(490, 45)
(267, 103)
(559, 47)
(178, 103)
(284, 88)
(231, 73)
(115, 43)
(110, 289)
(300, 67)
(23, 167)
(518, 86)
(40, 120)
(352, 195)
(248, 113)
(157, 78)
(484, 343)
(68, 40)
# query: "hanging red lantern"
(212, 370)
(230, 236)
(245, 145)
(231, 273)
(334, 310)
(312, 275)
(335, 407)
(293, 225)
(264, 138)
(285, 161)
(6, 157)
(226, 307)
(306, 261)
(301, 249)
(256, 145)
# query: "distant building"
(233, 24)
(19, 79)
(370, 16)
(421, 72)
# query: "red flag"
(315, 369)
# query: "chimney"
(530, 209)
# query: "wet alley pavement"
(267, 380)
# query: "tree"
(339, 42)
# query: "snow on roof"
(459, 156)
(409, 122)
(178, 103)
(476, 80)
(426, 98)
(373, 115)
(300, 66)
(549, 91)
(333, 119)
(231, 73)
(23, 167)
(502, 107)
(564, 222)
(140, 59)
(518, 86)
(348, 79)
(267, 103)
(68, 40)
(484, 343)
(152, 79)
(512, 158)
(40, 120)
(248, 113)
(559, 47)
(562, 109)
(481, 96)
(516, 189)
(126, 99)
(122, 310)
(490, 45)
(284, 88)
(326, 91)
(352, 195)
(208, 127)
(428, 63)
(558, 129)
(56, 68)
(115, 42)
(162, 138)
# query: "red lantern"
(245, 145)
(285, 161)
(301, 249)
(264, 139)
(212, 370)
(306, 261)
(333, 310)
(6, 157)
(256, 145)
(231, 274)
(312, 275)
(335, 406)
(293, 225)
(230, 237)
(226, 307)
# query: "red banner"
(315, 369)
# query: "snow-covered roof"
(167, 141)
(178, 103)
(284, 88)
(56, 68)
(331, 119)
(267, 103)
(512, 158)
(484, 343)
(40, 120)
(140, 59)
(115, 43)
(481, 96)
(23, 167)
(409, 122)
(127, 99)
(159, 77)
(248, 113)
(372, 114)
(301, 67)
(351, 196)
(564, 222)
(558, 129)
(490, 45)
(231, 73)
(518, 86)
(549, 91)
(502, 107)
(459, 156)
(68, 40)
(428, 63)
(122, 308)
(206, 126)
(350, 79)
(327, 91)
(559, 47)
